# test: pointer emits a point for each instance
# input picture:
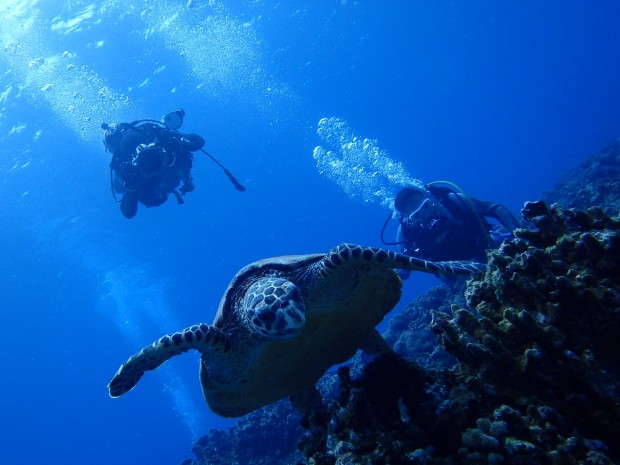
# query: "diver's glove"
(187, 187)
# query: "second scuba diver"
(150, 159)
(443, 223)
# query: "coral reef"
(373, 420)
(542, 347)
(267, 436)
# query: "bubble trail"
(361, 169)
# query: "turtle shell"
(283, 322)
(341, 311)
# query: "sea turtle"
(283, 322)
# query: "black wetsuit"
(151, 174)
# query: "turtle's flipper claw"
(125, 379)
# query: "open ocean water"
(321, 109)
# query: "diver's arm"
(192, 142)
(499, 212)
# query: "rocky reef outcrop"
(596, 182)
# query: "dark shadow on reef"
(520, 367)
(596, 182)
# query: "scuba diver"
(443, 223)
(150, 159)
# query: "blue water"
(498, 97)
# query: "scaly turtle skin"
(284, 321)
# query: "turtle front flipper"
(199, 337)
(351, 253)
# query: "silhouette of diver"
(150, 159)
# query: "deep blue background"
(498, 97)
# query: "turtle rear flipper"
(198, 337)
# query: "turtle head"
(274, 307)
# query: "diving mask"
(174, 119)
(112, 136)
(410, 199)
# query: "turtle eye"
(274, 307)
